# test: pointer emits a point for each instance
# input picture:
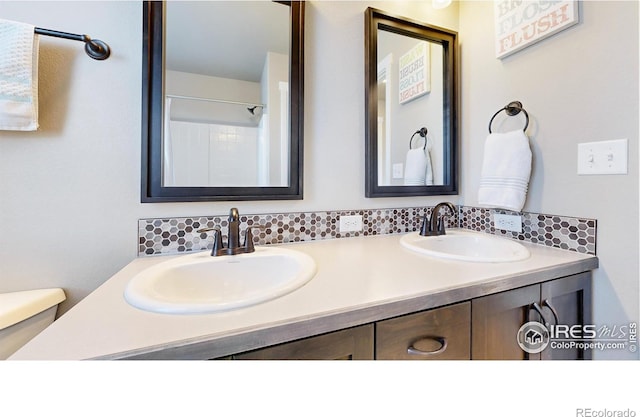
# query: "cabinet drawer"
(442, 333)
(350, 344)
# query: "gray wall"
(580, 85)
(70, 192)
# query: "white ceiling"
(224, 38)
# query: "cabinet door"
(442, 333)
(495, 321)
(567, 302)
(350, 344)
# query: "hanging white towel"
(18, 76)
(417, 168)
(428, 180)
(506, 168)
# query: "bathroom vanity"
(482, 328)
(371, 298)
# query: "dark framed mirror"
(222, 100)
(411, 115)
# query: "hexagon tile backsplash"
(178, 235)
(571, 233)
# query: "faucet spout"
(437, 222)
(234, 214)
(233, 237)
(233, 240)
(434, 226)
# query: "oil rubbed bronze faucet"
(233, 237)
(435, 225)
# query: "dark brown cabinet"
(496, 318)
(569, 301)
(442, 333)
(351, 344)
(481, 328)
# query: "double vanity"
(462, 295)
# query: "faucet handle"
(424, 227)
(207, 229)
(442, 216)
(248, 239)
(217, 239)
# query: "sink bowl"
(464, 245)
(201, 283)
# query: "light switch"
(607, 157)
(398, 170)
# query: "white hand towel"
(428, 180)
(506, 168)
(415, 167)
(18, 76)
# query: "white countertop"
(359, 280)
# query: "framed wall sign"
(521, 23)
(413, 76)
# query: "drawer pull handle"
(412, 350)
(547, 303)
(535, 306)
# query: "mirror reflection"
(222, 100)
(226, 106)
(411, 107)
(409, 100)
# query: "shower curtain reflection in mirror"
(217, 143)
(226, 116)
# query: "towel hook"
(512, 109)
(423, 132)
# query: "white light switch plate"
(603, 158)
(398, 170)
(509, 222)
(350, 224)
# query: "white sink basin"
(201, 283)
(466, 245)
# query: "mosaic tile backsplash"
(178, 235)
(174, 235)
(562, 232)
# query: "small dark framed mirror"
(222, 100)
(411, 76)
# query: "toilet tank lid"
(21, 305)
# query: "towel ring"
(423, 132)
(512, 109)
